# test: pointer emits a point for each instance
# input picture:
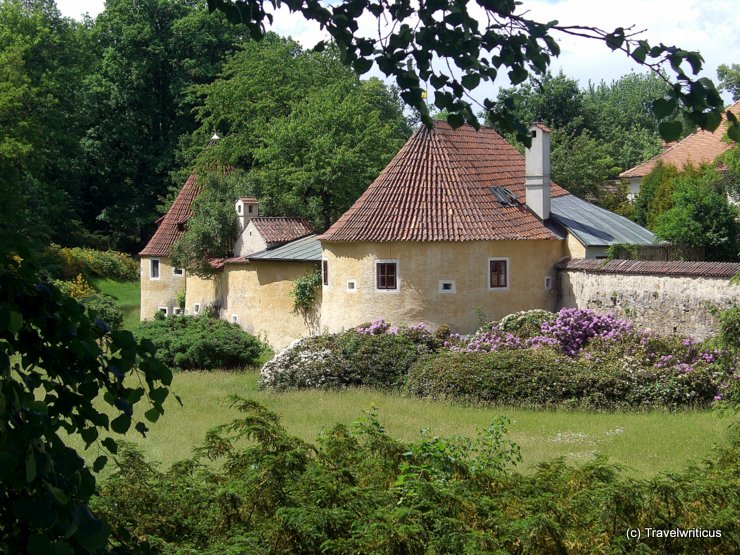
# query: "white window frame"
(176, 311)
(398, 275)
(447, 291)
(176, 274)
(151, 268)
(163, 309)
(234, 318)
(324, 276)
(352, 289)
(488, 273)
(196, 309)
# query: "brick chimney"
(246, 209)
(537, 171)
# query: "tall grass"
(644, 442)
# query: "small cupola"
(246, 209)
(537, 171)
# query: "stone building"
(457, 224)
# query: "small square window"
(325, 272)
(446, 286)
(351, 286)
(196, 308)
(154, 268)
(386, 276)
(234, 319)
(178, 272)
(498, 273)
(163, 310)
(176, 311)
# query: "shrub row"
(535, 358)
(544, 378)
(66, 263)
(200, 343)
(360, 491)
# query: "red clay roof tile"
(281, 230)
(171, 225)
(437, 189)
(698, 148)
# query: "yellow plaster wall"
(574, 248)
(258, 293)
(421, 267)
(201, 291)
(249, 241)
(158, 292)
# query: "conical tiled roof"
(171, 225)
(437, 189)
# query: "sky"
(708, 26)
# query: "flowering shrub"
(527, 323)
(574, 327)
(65, 263)
(78, 288)
(375, 355)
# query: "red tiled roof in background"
(698, 148)
(437, 189)
(281, 230)
(170, 226)
(651, 267)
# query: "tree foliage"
(139, 101)
(56, 366)
(502, 39)
(729, 79)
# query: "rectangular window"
(386, 275)
(178, 272)
(234, 319)
(325, 272)
(154, 268)
(196, 308)
(163, 310)
(351, 286)
(176, 311)
(498, 273)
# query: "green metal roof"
(306, 249)
(594, 226)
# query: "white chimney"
(537, 171)
(246, 209)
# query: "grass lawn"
(644, 442)
(128, 296)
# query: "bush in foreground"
(252, 488)
(200, 343)
(106, 308)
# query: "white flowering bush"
(374, 355)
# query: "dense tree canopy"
(305, 135)
(475, 42)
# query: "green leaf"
(733, 131)
(670, 130)
(30, 467)
(455, 120)
(99, 463)
(662, 108)
(110, 444)
(38, 544)
(16, 322)
(639, 54)
(362, 65)
(152, 415)
(470, 80)
(121, 424)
